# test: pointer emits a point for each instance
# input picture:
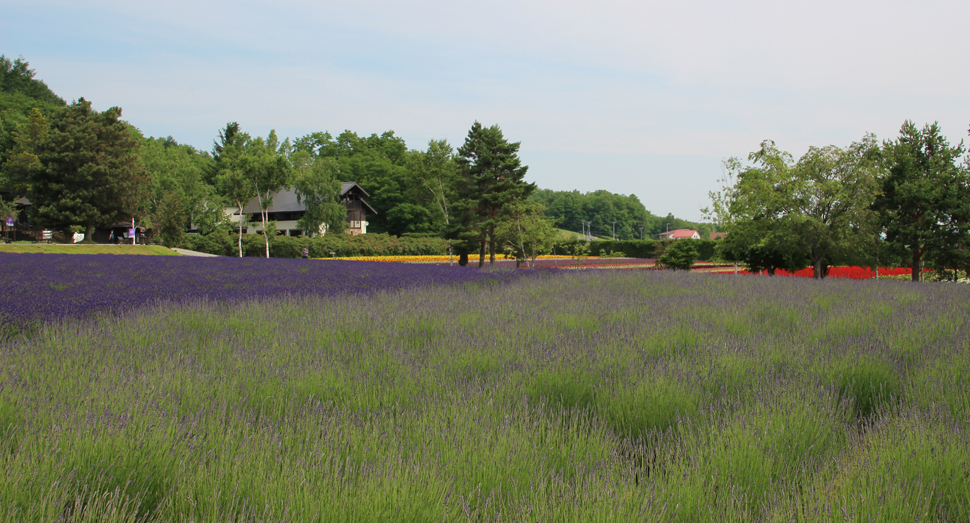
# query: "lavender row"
(42, 287)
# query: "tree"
(526, 231)
(437, 174)
(267, 168)
(783, 215)
(751, 207)
(679, 256)
(20, 95)
(171, 218)
(176, 171)
(316, 186)
(22, 158)
(496, 175)
(831, 192)
(230, 171)
(16, 76)
(925, 199)
(90, 172)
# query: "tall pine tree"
(925, 198)
(493, 177)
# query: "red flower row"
(852, 272)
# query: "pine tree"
(493, 178)
(90, 174)
(925, 198)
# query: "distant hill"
(20, 92)
(603, 212)
(16, 76)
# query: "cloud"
(643, 81)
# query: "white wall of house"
(282, 225)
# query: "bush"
(225, 244)
(679, 256)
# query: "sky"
(634, 97)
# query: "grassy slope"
(88, 249)
(583, 397)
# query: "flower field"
(40, 287)
(467, 395)
(544, 261)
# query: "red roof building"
(680, 234)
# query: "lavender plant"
(588, 396)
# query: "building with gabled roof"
(287, 210)
(680, 234)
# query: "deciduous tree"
(229, 172)
(266, 166)
(317, 187)
(526, 231)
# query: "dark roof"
(286, 200)
(346, 187)
(283, 201)
(22, 201)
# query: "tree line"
(607, 215)
(905, 200)
(81, 168)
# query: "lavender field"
(488, 396)
(44, 287)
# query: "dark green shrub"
(679, 256)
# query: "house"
(718, 235)
(287, 210)
(680, 234)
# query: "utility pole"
(641, 233)
(614, 231)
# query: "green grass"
(52, 248)
(588, 397)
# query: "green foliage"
(16, 76)
(679, 256)
(21, 160)
(222, 243)
(924, 205)
(177, 173)
(317, 188)
(570, 209)
(524, 230)
(493, 177)
(171, 217)
(90, 172)
(634, 248)
(21, 96)
(784, 215)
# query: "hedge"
(649, 249)
(225, 244)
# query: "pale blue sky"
(632, 97)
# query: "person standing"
(306, 253)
